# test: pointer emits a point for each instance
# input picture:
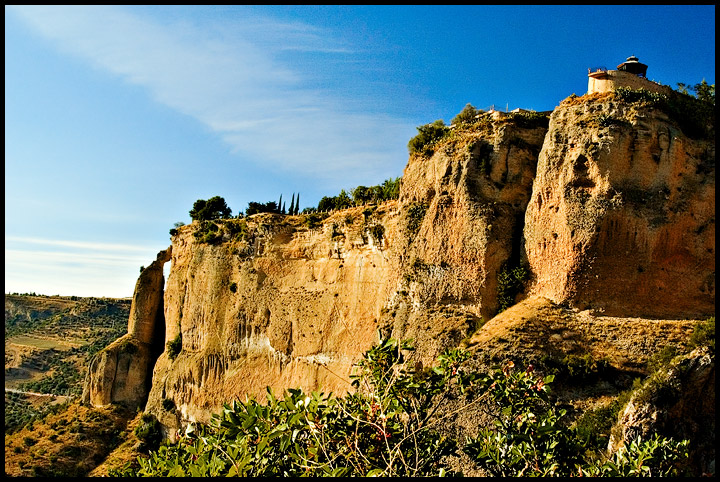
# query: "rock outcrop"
(622, 214)
(284, 306)
(121, 372)
(677, 403)
(474, 190)
(609, 208)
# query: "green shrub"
(237, 228)
(427, 137)
(208, 232)
(510, 283)
(594, 425)
(314, 220)
(704, 335)
(656, 457)
(149, 432)
(414, 217)
(377, 231)
(174, 347)
(388, 426)
(661, 358)
(466, 116)
(584, 367)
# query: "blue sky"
(118, 118)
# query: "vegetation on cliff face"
(390, 427)
(360, 195)
(694, 115)
(431, 136)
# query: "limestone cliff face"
(610, 208)
(622, 214)
(467, 201)
(285, 306)
(121, 372)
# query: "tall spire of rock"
(122, 372)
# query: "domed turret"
(633, 66)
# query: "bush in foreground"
(388, 427)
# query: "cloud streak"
(73, 268)
(229, 76)
(77, 244)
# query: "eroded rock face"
(678, 403)
(286, 307)
(121, 372)
(612, 208)
(475, 190)
(295, 307)
(622, 214)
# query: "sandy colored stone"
(622, 214)
(121, 372)
(615, 221)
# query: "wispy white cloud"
(230, 77)
(64, 267)
(93, 246)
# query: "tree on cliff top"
(703, 91)
(428, 134)
(213, 208)
(268, 207)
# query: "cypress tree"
(292, 205)
(281, 209)
(297, 204)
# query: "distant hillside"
(49, 341)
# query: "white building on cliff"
(631, 74)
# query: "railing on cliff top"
(601, 68)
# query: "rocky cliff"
(608, 205)
(622, 216)
(280, 305)
(676, 402)
(120, 373)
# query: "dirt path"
(55, 398)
